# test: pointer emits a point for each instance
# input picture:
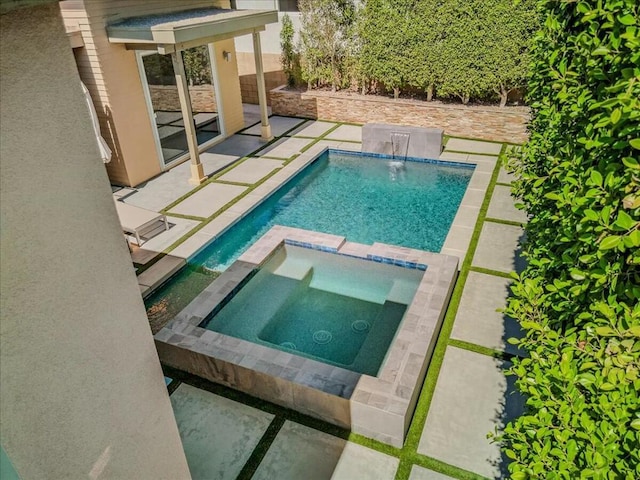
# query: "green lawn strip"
(472, 347)
(426, 395)
(504, 144)
(504, 222)
(219, 173)
(278, 411)
(437, 466)
(488, 271)
(226, 206)
(185, 217)
(261, 449)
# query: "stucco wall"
(229, 86)
(82, 395)
(506, 124)
(110, 72)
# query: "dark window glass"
(288, 5)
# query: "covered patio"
(172, 34)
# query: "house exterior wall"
(83, 394)
(229, 87)
(270, 42)
(111, 74)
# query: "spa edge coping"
(378, 407)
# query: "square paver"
(502, 206)
(351, 133)
(238, 145)
(477, 320)
(313, 129)
(178, 228)
(279, 125)
(218, 434)
(499, 248)
(208, 200)
(302, 452)
(251, 170)
(420, 473)
(285, 147)
(506, 177)
(472, 398)
(473, 146)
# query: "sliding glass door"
(164, 103)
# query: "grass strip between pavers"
(488, 271)
(214, 178)
(408, 455)
(261, 449)
(424, 401)
(512, 223)
(472, 347)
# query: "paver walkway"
(230, 435)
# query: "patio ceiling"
(187, 28)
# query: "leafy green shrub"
(578, 300)
(326, 35)
(290, 57)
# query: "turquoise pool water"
(323, 306)
(364, 198)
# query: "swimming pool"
(328, 307)
(367, 198)
(364, 197)
(378, 405)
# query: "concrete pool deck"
(478, 332)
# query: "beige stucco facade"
(112, 76)
(82, 394)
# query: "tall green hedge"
(578, 300)
(451, 48)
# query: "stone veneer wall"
(165, 97)
(249, 85)
(507, 124)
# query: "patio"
(465, 395)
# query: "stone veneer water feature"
(378, 407)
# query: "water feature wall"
(422, 142)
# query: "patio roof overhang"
(188, 28)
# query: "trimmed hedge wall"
(579, 298)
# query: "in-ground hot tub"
(333, 329)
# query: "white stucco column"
(197, 171)
(265, 130)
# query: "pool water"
(366, 199)
(323, 306)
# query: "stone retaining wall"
(165, 97)
(506, 124)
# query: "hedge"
(578, 300)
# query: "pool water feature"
(331, 308)
(367, 198)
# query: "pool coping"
(456, 243)
(378, 407)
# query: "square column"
(197, 171)
(265, 127)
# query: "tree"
(326, 25)
(387, 33)
(290, 57)
(511, 27)
(426, 55)
(464, 61)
